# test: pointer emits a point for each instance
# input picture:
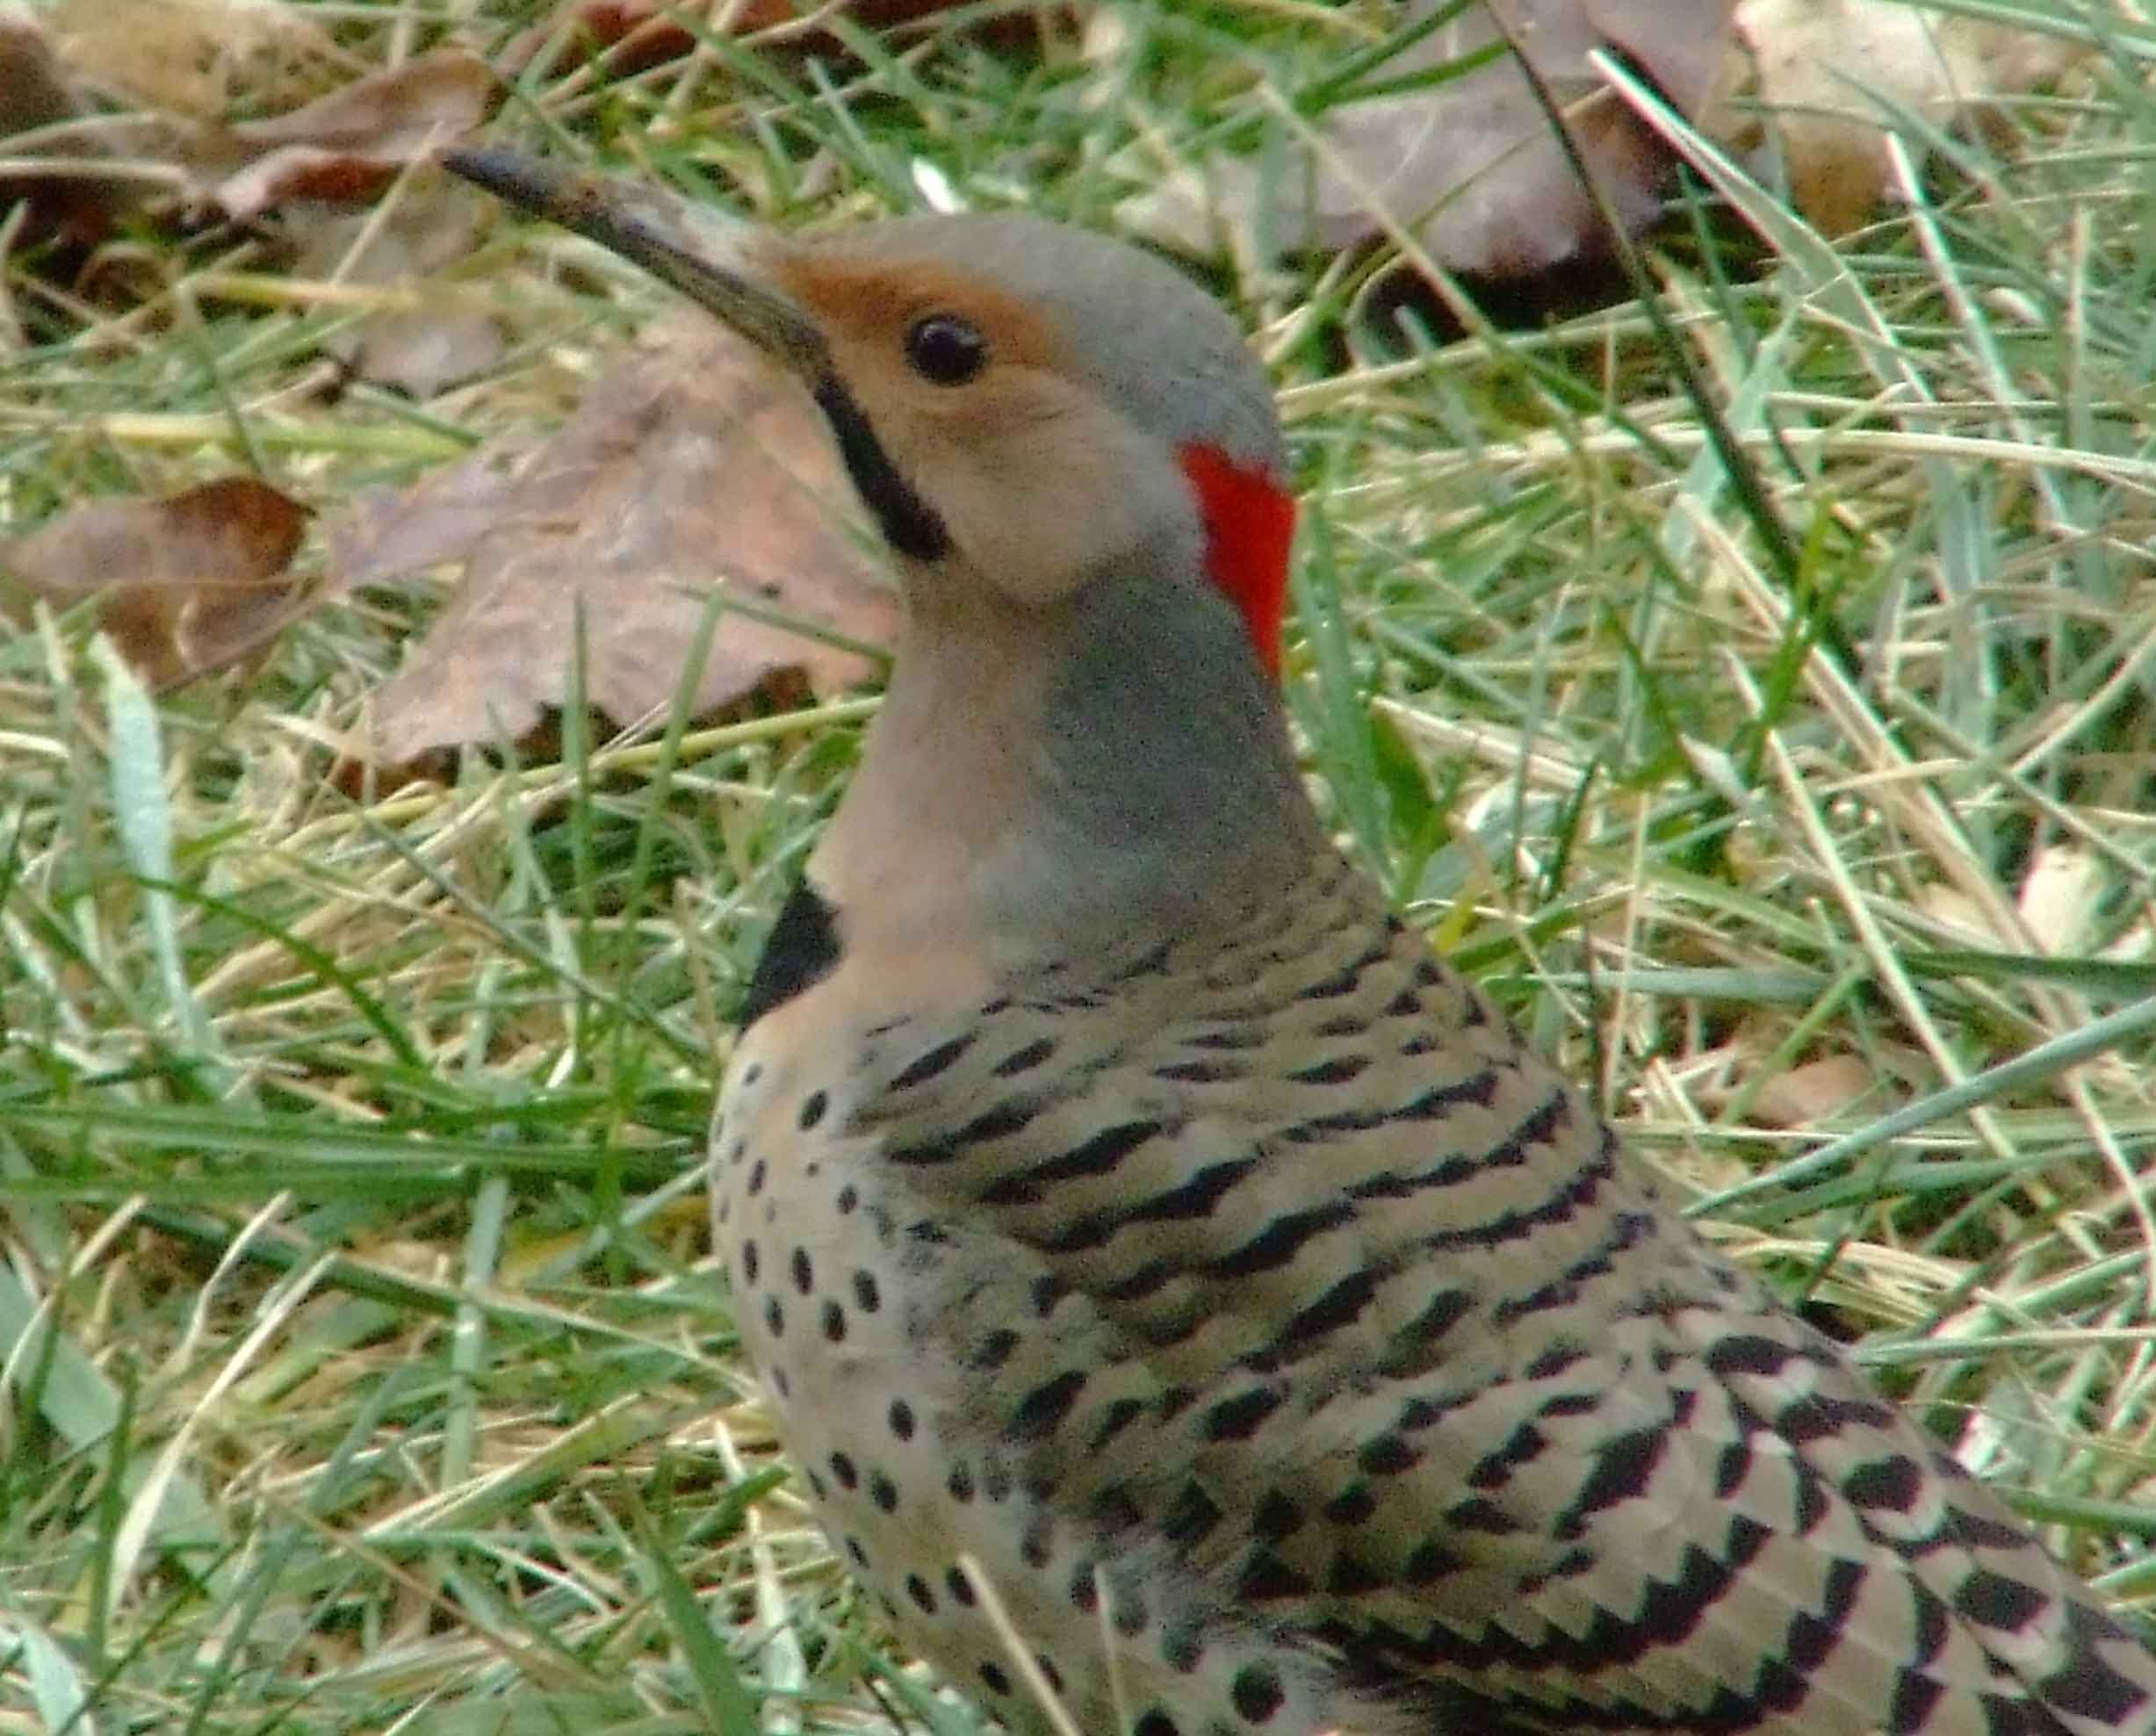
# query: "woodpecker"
(1193, 1310)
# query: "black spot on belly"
(1256, 1692)
(1352, 1506)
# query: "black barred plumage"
(1469, 1430)
(1119, 1199)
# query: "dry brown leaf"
(427, 348)
(386, 536)
(1470, 165)
(348, 146)
(1836, 72)
(1814, 1094)
(40, 118)
(635, 35)
(188, 583)
(692, 467)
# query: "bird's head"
(1076, 461)
(1026, 408)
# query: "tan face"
(974, 396)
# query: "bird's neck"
(1068, 785)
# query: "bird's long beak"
(711, 259)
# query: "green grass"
(363, 1367)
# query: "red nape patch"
(1249, 521)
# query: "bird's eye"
(946, 350)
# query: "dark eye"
(946, 350)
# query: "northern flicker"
(1145, 1240)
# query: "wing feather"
(1406, 1360)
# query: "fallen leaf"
(386, 536)
(38, 113)
(636, 35)
(348, 146)
(424, 350)
(692, 468)
(187, 584)
(1469, 165)
(1814, 1094)
(1836, 73)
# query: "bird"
(1192, 1309)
